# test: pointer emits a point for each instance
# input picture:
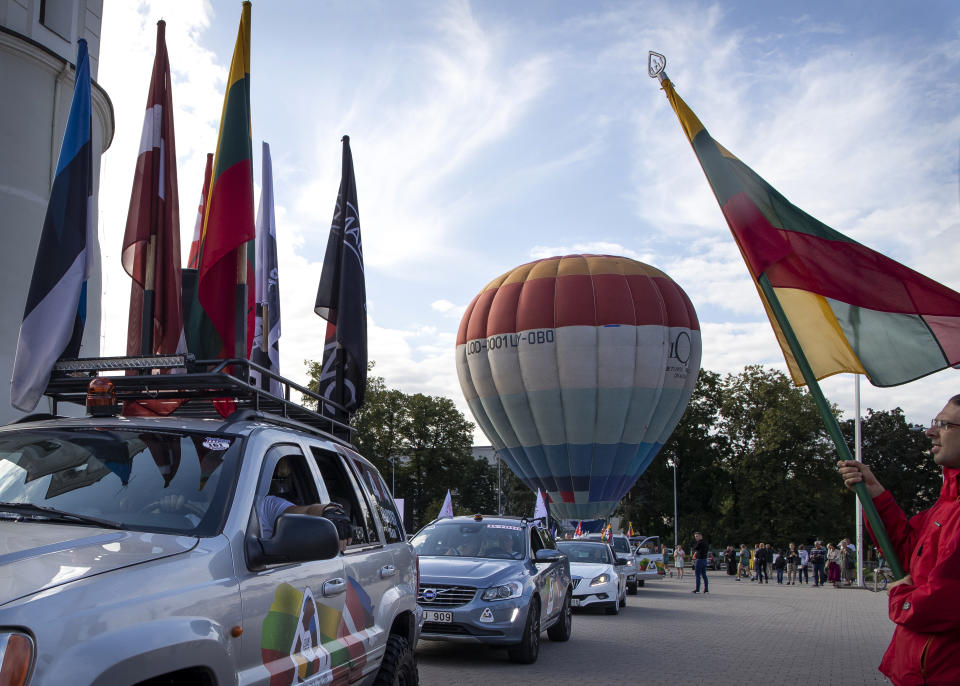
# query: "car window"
(342, 489)
(382, 501)
(621, 545)
(471, 539)
(284, 477)
(164, 481)
(536, 543)
(590, 553)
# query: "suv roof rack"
(182, 377)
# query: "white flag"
(447, 509)
(541, 510)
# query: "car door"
(551, 581)
(369, 567)
(290, 611)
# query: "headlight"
(600, 580)
(629, 563)
(512, 589)
(16, 656)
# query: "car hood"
(37, 556)
(588, 570)
(466, 571)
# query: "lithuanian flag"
(851, 308)
(228, 225)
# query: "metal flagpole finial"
(656, 63)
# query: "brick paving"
(738, 633)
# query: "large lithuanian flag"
(851, 308)
(228, 225)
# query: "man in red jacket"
(924, 604)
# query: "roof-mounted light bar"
(103, 364)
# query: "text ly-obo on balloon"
(577, 369)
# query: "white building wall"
(36, 83)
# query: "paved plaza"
(740, 632)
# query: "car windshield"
(621, 545)
(595, 553)
(167, 482)
(471, 539)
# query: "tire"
(528, 650)
(613, 608)
(563, 627)
(640, 582)
(399, 664)
(632, 588)
(623, 600)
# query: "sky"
(489, 134)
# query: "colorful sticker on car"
(486, 616)
(308, 643)
(503, 526)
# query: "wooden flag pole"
(833, 427)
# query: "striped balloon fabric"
(577, 369)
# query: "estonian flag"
(56, 309)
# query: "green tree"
(897, 453)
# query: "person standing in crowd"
(803, 576)
(793, 561)
(780, 564)
(730, 558)
(743, 569)
(849, 569)
(678, 561)
(833, 565)
(700, 551)
(924, 605)
(760, 564)
(818, 558)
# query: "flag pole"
(149, 298)
(832, 425)
(656, 64)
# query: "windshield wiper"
(58, 515)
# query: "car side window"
(382, 501)
(284, 476)
(342, 489)
(536, 543)
(548, 540)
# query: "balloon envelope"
(577, 369)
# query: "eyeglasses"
(940, 425)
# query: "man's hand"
(853, 472)
(905, 580)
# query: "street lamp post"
(673, 463)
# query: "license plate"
(574, 602)
(434, 616)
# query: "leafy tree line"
(753, 462)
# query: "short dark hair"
(697, 533)
(955, 400)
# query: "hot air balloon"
(577, 369)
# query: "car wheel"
(399, 665)
(632, 588)
(561, 630)
(640, 582)
(527, 652)
(623, 600)
(613, 608)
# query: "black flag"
(342, 298)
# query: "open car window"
(343, 489)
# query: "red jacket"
(925, 648)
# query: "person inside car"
(275, 503)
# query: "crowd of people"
(794, 565)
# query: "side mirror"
(296, 538)
(547, 555)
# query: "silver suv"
(138, 549)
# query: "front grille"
(445, 596)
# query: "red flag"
(151, 243)
(193, 261)
(228, 227)
(579, 531)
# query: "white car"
(597, 579)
